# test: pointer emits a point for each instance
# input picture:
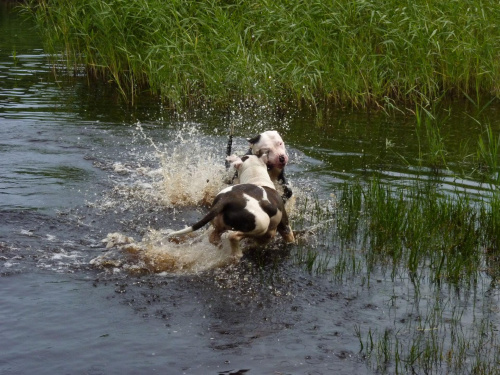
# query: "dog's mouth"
(283, 159)
(274, 161)
(275, 165)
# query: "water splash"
(157, 254)
(190, 173)
(187, 172)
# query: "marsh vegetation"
(361, 53)
(442, 246)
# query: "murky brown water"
(78, 166)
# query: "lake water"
(80, 170)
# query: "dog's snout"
(282, 159)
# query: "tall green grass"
(362, 52)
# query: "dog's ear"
(254, 140)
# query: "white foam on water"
(9, 264)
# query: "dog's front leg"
(287, 192)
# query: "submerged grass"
(414, 227)
(408, 229)
(443, 247)
(364, 53)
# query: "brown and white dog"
(250, 209)
(270, 143)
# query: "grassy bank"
(366, 53)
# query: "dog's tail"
(229, 144)
(214, 211)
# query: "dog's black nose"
(282, 158)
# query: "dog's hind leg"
(234, 239)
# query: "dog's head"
(271, 144)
